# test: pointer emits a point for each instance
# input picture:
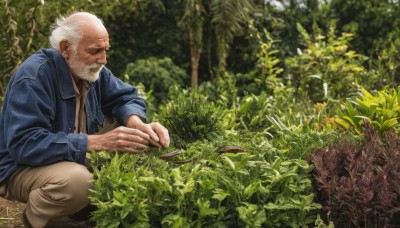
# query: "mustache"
(95, 67)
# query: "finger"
(165, 140)
(148, 128)
(132, 144)
(155, 143)
(133, 135)
(162, 133)
(137, 139)
(137, 132)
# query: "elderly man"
(55, 103)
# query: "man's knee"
(70, 184)
(79, 180)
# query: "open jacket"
(37, 119)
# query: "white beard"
(86, 72)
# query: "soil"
(11, 214)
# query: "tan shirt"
(81, 91)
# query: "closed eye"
(94, 51)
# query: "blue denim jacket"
(38, 116)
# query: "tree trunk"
(195, 59)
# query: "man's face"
(89, 57)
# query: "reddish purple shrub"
(358, 183)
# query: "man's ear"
(65, 49)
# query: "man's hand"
(122, 139)
(158, 134)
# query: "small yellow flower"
(319, 107)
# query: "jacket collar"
(64, 77)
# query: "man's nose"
(102, 58)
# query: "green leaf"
(388, 124)
(220, 194)
(230, 162)
(342, 123)
(317, 76)
(251, 189)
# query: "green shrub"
(251, 112)
(387, 63)
(382, 111)
(157, 76)
(297, 128)
(326, 68)
(191, 117)
(253, 188)
(266, 75)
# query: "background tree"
(229, 18)
(192, 21)
(225, 20)
(375, 22)
(17, 40)
(153, 28)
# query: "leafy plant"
(157, 76)
(326, 67)
(295, 127)
(382, 111)
(374, 22)
(266, 75)
(357, 180)
(252, 188)
(387, 63)
(251, 112)
(17, 41)
(190, 117)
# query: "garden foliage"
(357, 180)
(375, 22)
(251, 112)
(270, 83)
(326, 67)
(157, 76)
(381, 110)
(252, 188)
(266, 76)
(190, 117)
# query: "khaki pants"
(52, 191)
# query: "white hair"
(69, 28)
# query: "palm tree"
(193, 20)
(227, 18)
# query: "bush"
(191, 117)
(382, 111)
(357, 181)
(157, 75)
(326, 67)
(247, 189)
